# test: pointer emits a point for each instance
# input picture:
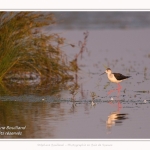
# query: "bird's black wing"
(119, 76)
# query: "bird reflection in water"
(115, 118)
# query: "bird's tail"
(128, 76)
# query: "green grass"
(24, 47)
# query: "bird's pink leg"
(111, 91)
(119, 89)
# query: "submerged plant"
(93, 95)
(73, 92)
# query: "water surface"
(60, 117)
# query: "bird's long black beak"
(102, 74)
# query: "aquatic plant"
(82, 45)
(24, 47)
(73, 91)
(93, 95)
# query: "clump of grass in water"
(73, 91)
(24, 47)
(94, 96)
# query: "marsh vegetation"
(30, 56)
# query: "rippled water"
(45, 116)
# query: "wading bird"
(115, 78)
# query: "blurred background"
(102, 20)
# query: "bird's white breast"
(112, 78)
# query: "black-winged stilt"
(115, 78)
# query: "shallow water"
(124, 51)
(62, 120)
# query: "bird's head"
(108, 71)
